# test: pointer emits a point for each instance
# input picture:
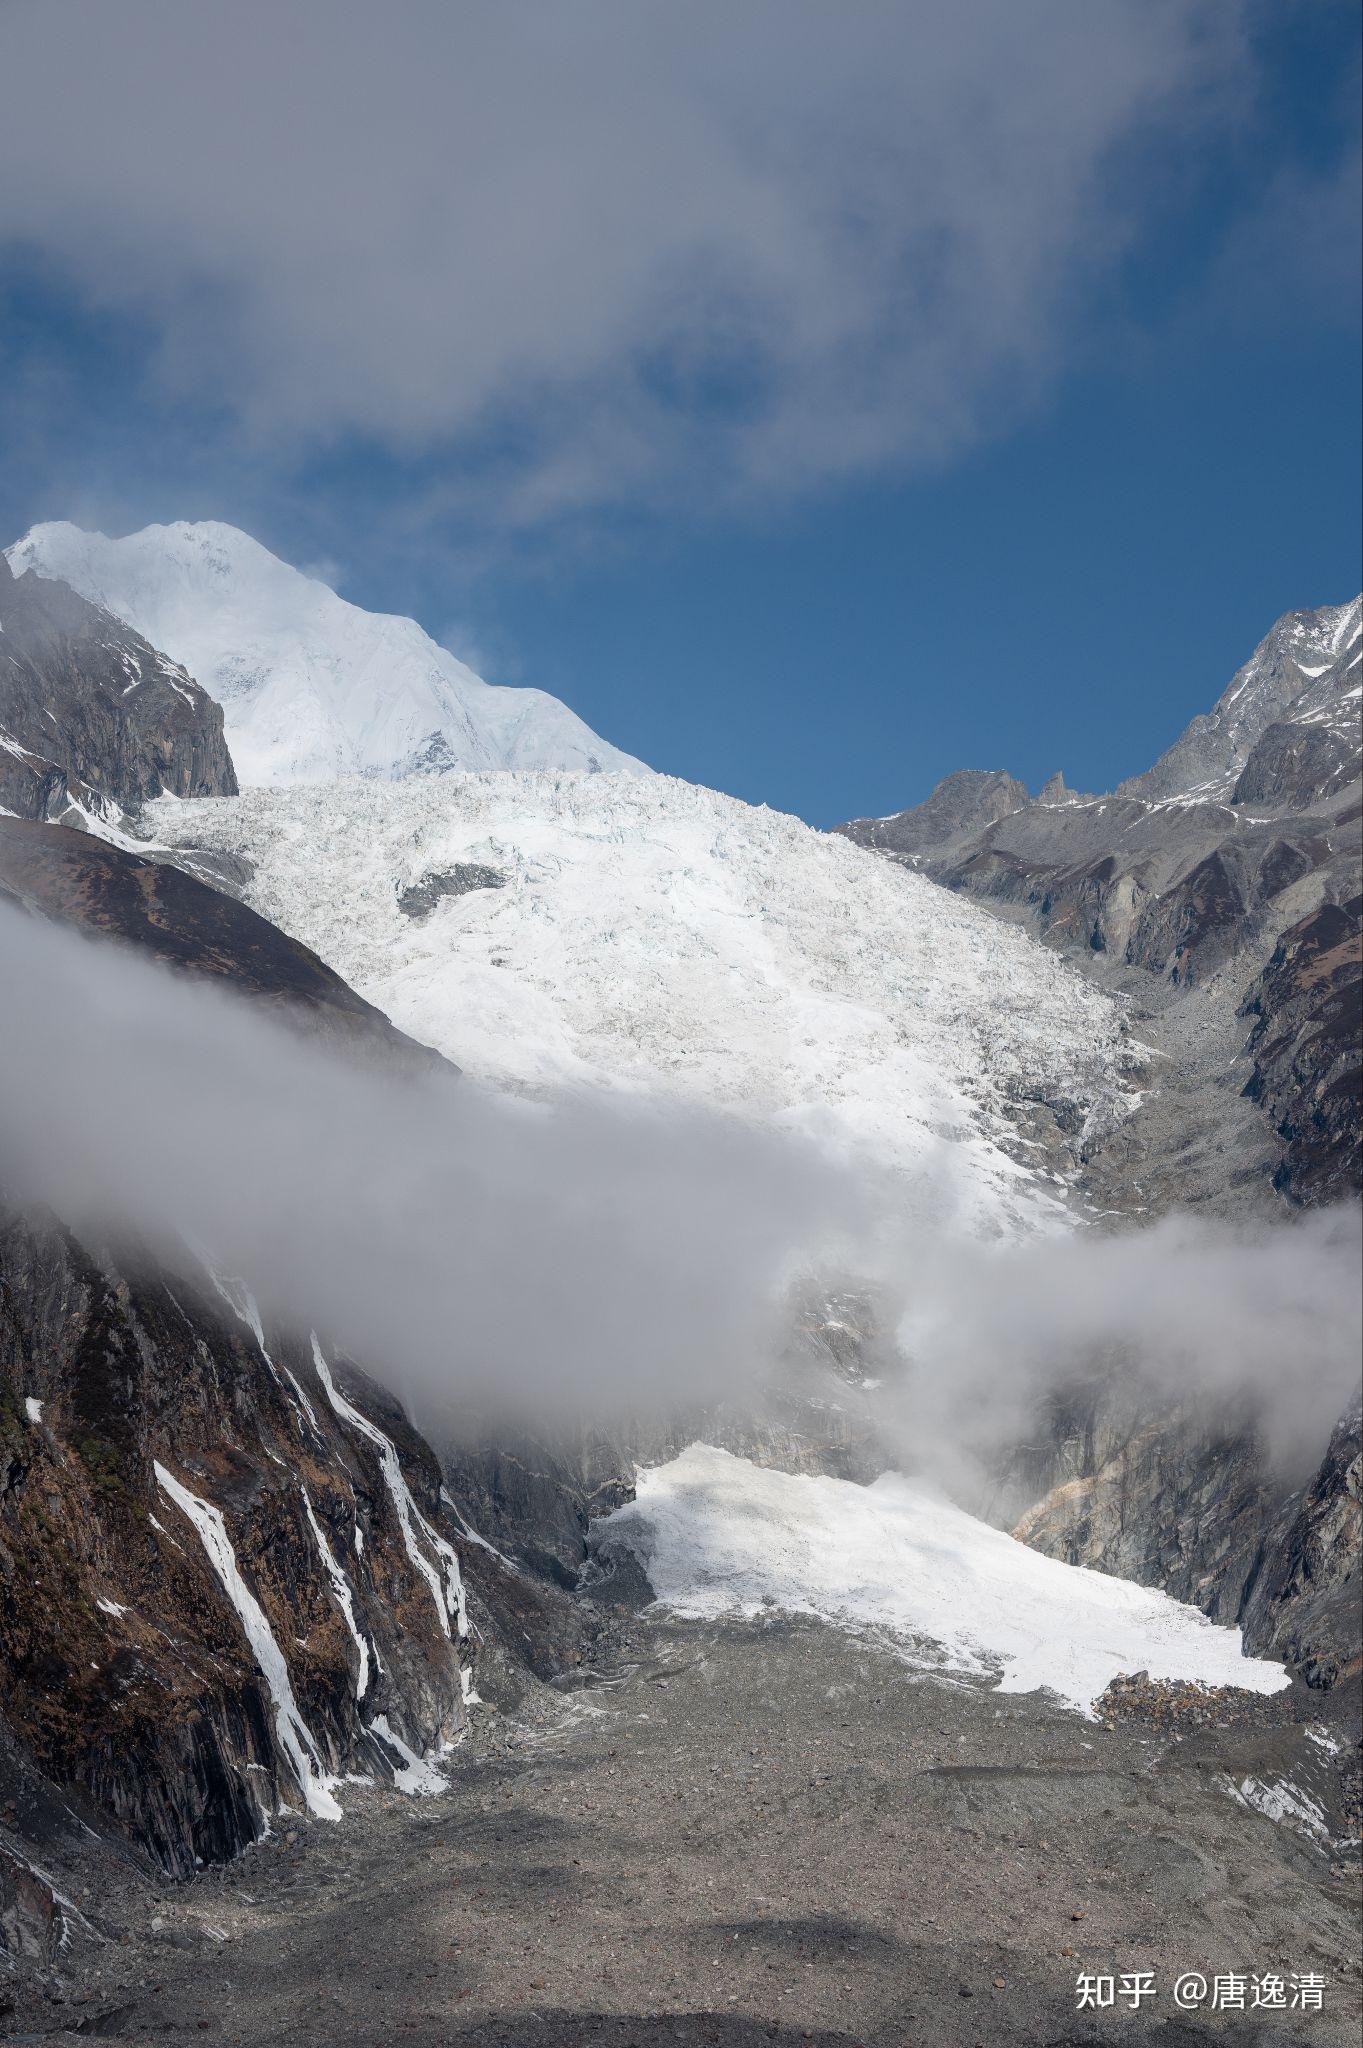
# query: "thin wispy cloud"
(609, 251)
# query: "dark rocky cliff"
(131, 1679)
(227, 1576)
(92, 718)
(77, 880)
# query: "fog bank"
(475, 1249)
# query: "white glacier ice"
(658, 938)
(899, 1562)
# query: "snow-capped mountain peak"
(312, 686)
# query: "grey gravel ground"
(750, 1834)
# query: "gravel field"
(752, 1834)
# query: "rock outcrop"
(1307, 1007)
(93, 719)
(90, 886)
(227, 1576)
(215, 1598)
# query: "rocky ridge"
(1217, 895)
(93, 720)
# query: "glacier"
(311, 686)
(655, 938)
(898, 1562)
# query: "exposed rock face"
(1308, 1011)
(1171, 1501)
(420, 899)
(1304, 1602)
(1218, 893)
(77, 880)
(92, 718)
(1189, 878)
(131, 1675)
(1302, 672)
(226, 1573)
(961, 804)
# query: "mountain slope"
(228, 1575)
(648, 935)
(91, 716)
(1218, 895)
(1305, 670)
(1183, 889)
(82, 882)
(311, 687)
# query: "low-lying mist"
(473, 1249)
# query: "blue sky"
(808, 474)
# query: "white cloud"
(608, 246)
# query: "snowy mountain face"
(311, 687)
(642, 934)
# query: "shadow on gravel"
(821, 1937)
(728, 2030)
(672, 2030)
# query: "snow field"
(657, 938)
(719, 1536)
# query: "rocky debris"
(92, 718)
(32, 1918)
(1171, 1707)
(726, 1838)
(419, 899)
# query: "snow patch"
(1282, 1802)
(243, 1305)
(33, 1409)
(896, 1560)
(414, 1774)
